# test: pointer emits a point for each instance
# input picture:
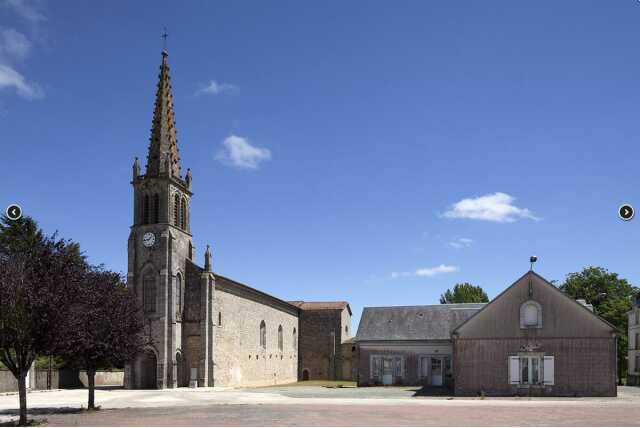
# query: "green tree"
(611, 299)
(464, 293)
(39, 276)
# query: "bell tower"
(160, 246)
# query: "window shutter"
(514, 370)
(548, 370)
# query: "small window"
(183, 214)
(219, 319)
(530, 315)
(280, 339)
(145, 210)
(294, 340)
(178, 296)
(263, 335)
(176, 210)
(190, 251)
(346, 329)
(637, 340)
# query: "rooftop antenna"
(164, 39)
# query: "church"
(200, 328)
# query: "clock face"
(148, 239)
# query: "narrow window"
(178, 296)
(294, 340)
(524, 370)
(183, 214)
(219, 319)
(263, 335)
(280, 340)
(176, 210)
(145, 210)
(156, 208)
(346, 329)
(637, 340)
(190, 251)
(149, 293)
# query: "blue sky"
(376, 152)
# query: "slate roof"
(428, 322)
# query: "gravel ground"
(318, 406)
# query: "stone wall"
(103, 378)
(239, 359)
(322, 332)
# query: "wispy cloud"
(216, 88)
(461, 243)
(238, 152)
(14, 46)
(27, 10)
(496, 207)
(10, 78)
(426, 272)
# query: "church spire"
(163, 158)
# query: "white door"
(436, 371)
(387, 371)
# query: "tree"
(464, 293)
(103, 328)
(38, 277)
(610, 297)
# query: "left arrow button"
(14, 212)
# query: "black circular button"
(626, 212)
(14, 212)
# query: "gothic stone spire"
(163, 158)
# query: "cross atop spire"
(163, 158)
(164, 40)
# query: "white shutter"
(514, 370)
(548, 370)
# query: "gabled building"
(534, 340)
(409, 345)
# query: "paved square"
(316, 405)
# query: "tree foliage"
(39, 276)
(611, 299)
(103, 328)
(464, 293)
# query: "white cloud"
(497, 207)
(237, 151)
(461, 243)
(10, 78)
(26, 9)
(14, 46)
(426, 272)
(216, 88)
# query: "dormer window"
(530, 315)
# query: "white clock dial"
(148, 239)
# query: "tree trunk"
(91, 376)
(22, 392)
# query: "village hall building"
(201, 328)
(530, 340)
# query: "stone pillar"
(205, 329)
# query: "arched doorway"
(305, 374)
(183, 379)
(148, 367)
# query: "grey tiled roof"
(429, 322)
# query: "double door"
(432, 370)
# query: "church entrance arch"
(148, 368)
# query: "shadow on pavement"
(433, 391)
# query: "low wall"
(114, 378)
(8, 383)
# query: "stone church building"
(202, 329)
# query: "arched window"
(178, 296)
(156, 208)
(149, 293)
(183, 214)
(294, 340)
(280, 339)
(530, 315)
(145, 210)
(263, 335)
(176, 210)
